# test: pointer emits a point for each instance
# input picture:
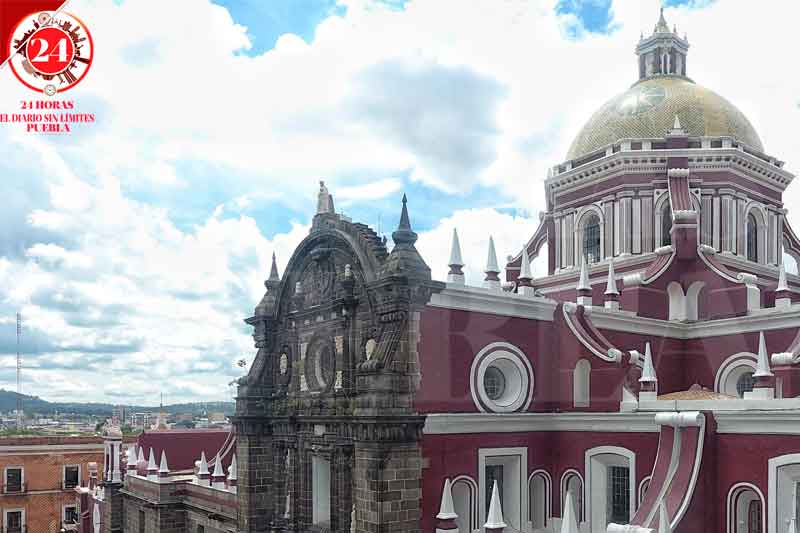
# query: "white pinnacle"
(677, 125)
(491, 258)
(232, 469)
(782, 285)
(218, 472)
(455, 251)
(151, 463)
(494, 519)
(131, 456)
(583, 280)
(762, 364)
(569, 524)
(663, 519)
(203, 470)
(140, 458)
(446, 508)
(163, 468)
(525, 267)
(611, 284)
(648, 371)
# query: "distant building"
(39, 475)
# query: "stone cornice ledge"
(449, 424)
(764, 320)
(759, 422)
(479, 300)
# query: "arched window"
(539, 501)
(666, 224)
(572, 484)
(745, 383)
(464, 491)
(591, 239)
(752, 237)
(745, 509)
(580, 383)
(611, 474)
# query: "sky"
(135, 248)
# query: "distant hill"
(36, 405)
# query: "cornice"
(763, 320)
(450, 424)
(646, 161)
(759, 422)
(478, 300)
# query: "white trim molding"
(568, 473)
(772, 487)
(548, 485)
(473, 519)
(518, 378)
(480, 300)
(733, 368)
(476, 423)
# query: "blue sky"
(136, 246)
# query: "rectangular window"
(13, 479)
(72, 476)
(619, 492)
(141, 522)
(14, 521)
(201, 529)
(70, 514)
(493, 473)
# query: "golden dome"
(648, 110)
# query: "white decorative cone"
(782, 285)
(648, 370)
(611, 283)
(525, 267)
(203, 470)
(494, 520)
(491, 258)
(455, 250)
(140, 458)
(762, 364)
(164, 468)
(583, 280)
(446, 507)
(218, 472)
(232, 469)
(151, 463)
(569, 522)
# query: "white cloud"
(454, 94)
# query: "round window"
(501, 379)
(745, 383)
(494, 383)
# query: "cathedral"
(650, 382)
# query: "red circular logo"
(50, 52)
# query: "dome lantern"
(663, 53)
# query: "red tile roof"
(184, 446)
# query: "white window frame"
(319, 465)
(502, 355)
(486, 456)
(582, 383)
(5, 478)
(622, 457)
(472, 519)
(64, 476)
(14, 510)
(64, 524)
(730, 505)
(773, 465)
(548, 498)
(732, 369)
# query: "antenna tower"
(19, 373)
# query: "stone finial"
(202, 470)
(447, 515)
(648, 383)
(494, 519)
(762, 363)
(525, 276)
(232, 474)
(612, 292)
(783, 298)
(404, 259)
(446, 507)
(456, 264)
(324, 200)
(584, 288)
(152, 469)
(661, 25)
(569, 522)
(492, 271)
(218, 477)
(273, 271)
(163, 469)
(677, 128)
(141, 462)
(663, 519)
(131, 459)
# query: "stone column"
(624, 205)
(706, 217)
(728, 219)
(254, 456)
(608, 228)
